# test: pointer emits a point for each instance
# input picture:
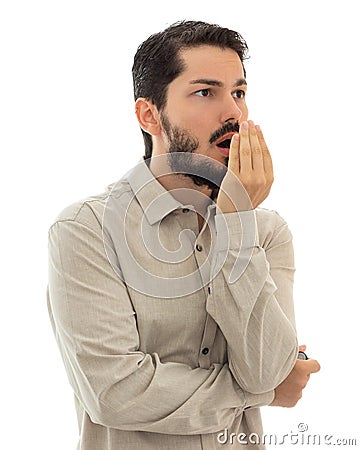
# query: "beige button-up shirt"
(171, 338)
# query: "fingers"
(245, 149)
(309, 365)
(314, 365)
(256, 151)
(247, 156)
(234, 157)
(266, 157)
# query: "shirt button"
(198, 247)
(205, 351)
(185, 210)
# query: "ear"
(148, 116)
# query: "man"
(170, 294)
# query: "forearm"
(261, 338)
(169, 398)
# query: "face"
(204, 106)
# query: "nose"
(233, 111)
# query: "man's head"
(160, 60)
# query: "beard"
(182, 159)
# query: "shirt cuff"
(257, 400)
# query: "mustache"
(228, 127)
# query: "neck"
(182, 187)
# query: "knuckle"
(301, 383)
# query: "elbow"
(257, 385)
(267, 373)
(100, 415)
(108, 415)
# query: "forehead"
(211, 62)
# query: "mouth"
(223, 144)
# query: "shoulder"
(87, 211)
(90, 210)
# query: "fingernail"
(235, 137)
(245, 125)
(251, 123)
(258, 128)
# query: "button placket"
(207, 342)
(201, 260)
(188, 220)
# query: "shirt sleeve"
(95, 326)
(251, 297)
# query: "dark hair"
(157, 62)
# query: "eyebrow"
(239, 82)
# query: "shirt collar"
(153, 198)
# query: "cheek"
(198, 125)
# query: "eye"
(203, 93)
(239, 94)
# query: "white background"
(68, 130)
